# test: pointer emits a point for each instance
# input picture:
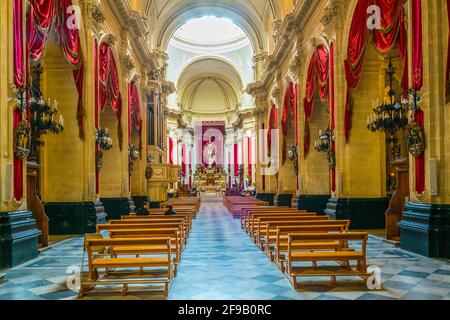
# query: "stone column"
(18, 231)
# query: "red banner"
(318, 72)
(417, 78)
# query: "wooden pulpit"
(395, 211)
(35, 204)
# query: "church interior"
(225, 150)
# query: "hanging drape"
(332, 112)
(171, 151)
(183, 160)
(417, 82)
(69, 38)
(19, 81)
(42, 16)
(273, 125)
(447, 74)
(96, 110)
(19, 66)
(250, 159)
(109, 86)
(390, 34)
(263, 151)
(289, 111)
(134, 112)
(236, 159)
(318, 74)
(229, 171)
(190, 169)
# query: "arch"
(237, 13)
(234, 75)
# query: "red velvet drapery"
(171, 162)
(42, 16)
(417, 82)
(318, 73)
(290, 107)
(390, 34)
(236, 160)
(332, 112)
(69, 38)
(109, 86)
(447, 75)
(183, 160)
(19, 81)
(96, 109)
(273, 124)
(250, 158)
(134, 112)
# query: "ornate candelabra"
(43, 121)
(293, 156)
(325, 144)
(133, 153)
(392, 115)
(105, 143)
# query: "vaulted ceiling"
(248, 14)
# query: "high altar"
(211, 180)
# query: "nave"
(220, 262)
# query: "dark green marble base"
(283, 200)
(139, 201)
(118, 207)
(313, 203)
(74, 217)
(18, 238)
(363, 213)
(269, 197)
(425, 230)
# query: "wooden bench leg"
(333, 280)
(166, 289)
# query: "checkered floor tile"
(222, 263)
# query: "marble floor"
(222, 263)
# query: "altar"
(210, 181)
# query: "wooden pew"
(277, 245)
(154, 268)
(268, 230)
(186, 219)
(309, 253)
(180, 235)
(257, 226)
(146, 233)
(248, 214)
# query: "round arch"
(239, 14)
(232, 75)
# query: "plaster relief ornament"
(415, 138)
(22, 138)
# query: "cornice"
(289, 30)
(130, 21)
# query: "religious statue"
(209, 154)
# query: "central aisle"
(221, 262)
